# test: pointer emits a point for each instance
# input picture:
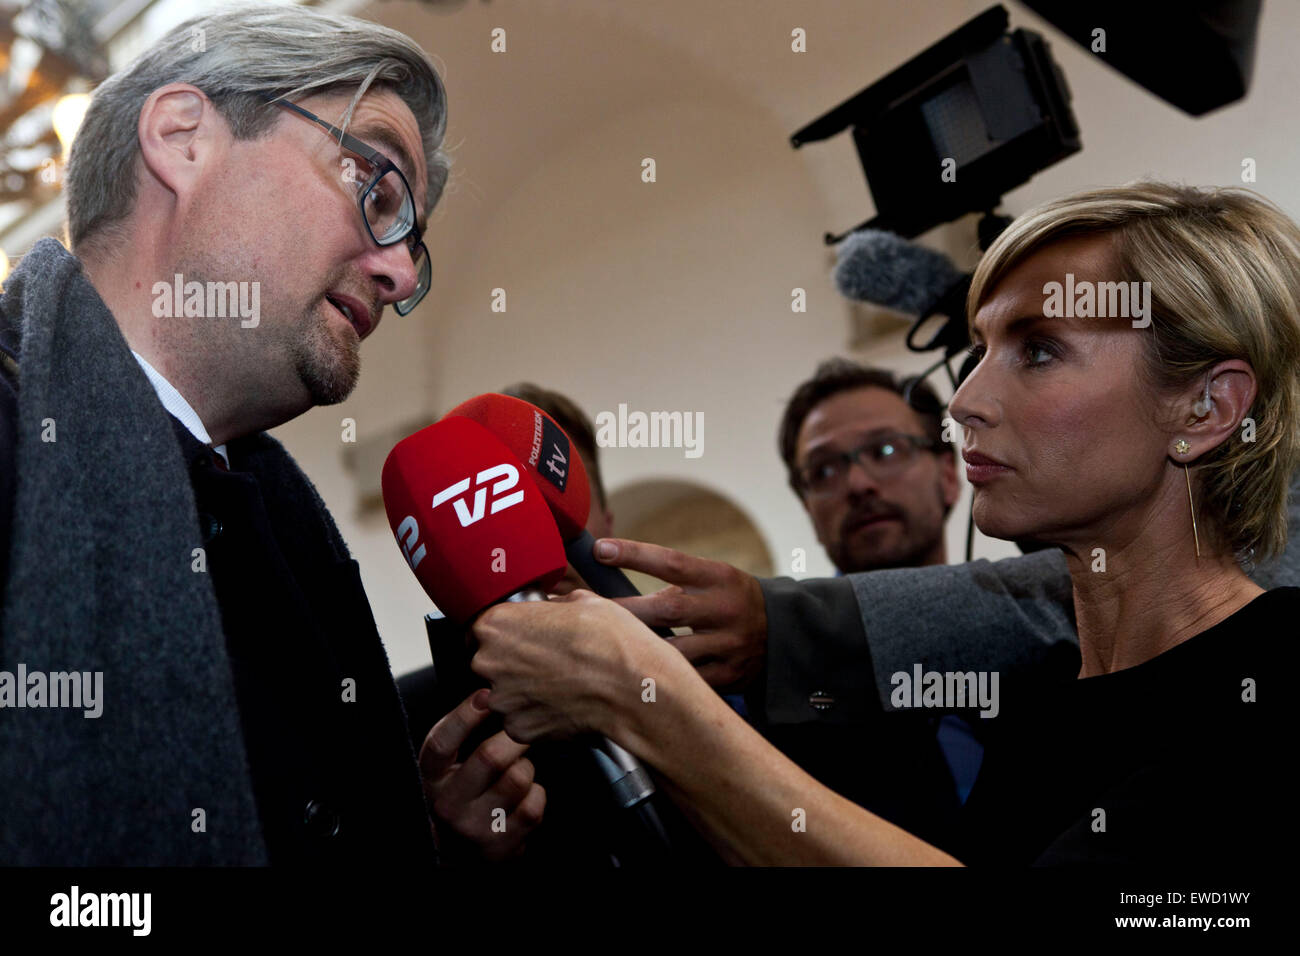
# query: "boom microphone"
(476, 531)
(555, 465)
(887, 270)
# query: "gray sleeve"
(1008, 616)
(831, 641)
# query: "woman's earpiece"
(1205, 403)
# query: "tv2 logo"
(509, 477)
(408, 532)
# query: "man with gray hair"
(156, 534)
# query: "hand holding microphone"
(476, 532)
(491, 799)
(721, 604)
(578, 663)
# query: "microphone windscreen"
(543, 447)
(885, 269)
(469, 520)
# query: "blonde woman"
(1154, 447)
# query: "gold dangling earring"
(1182, 447)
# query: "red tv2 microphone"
(556, 467)
(475, 530)
(455, 498)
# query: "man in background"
(870, 468)
(864, 453)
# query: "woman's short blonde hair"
(1224, 268)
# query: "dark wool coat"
(224, 671)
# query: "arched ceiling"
(572, 65)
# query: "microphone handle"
(606, 581)
(627, 779)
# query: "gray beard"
(328, 365)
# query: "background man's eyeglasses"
(386, 202)
(883, 457)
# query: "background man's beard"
(912, 551)
(328, 361)
(907, 554)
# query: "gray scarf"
(101, 579)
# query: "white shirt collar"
(175, 403)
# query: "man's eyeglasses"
(883, 457)
(385, 199)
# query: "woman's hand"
(581, 663)
(570, 665)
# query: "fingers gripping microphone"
(545, 450)
(475, 531)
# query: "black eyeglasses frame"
(380, 165)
